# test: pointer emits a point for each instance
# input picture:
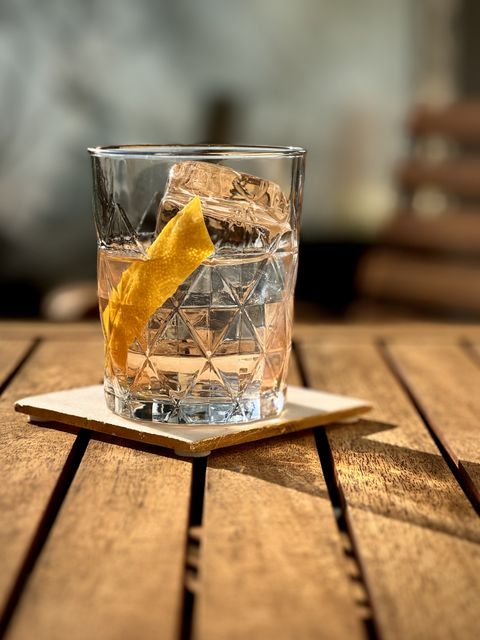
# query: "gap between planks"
(442, 382)
(362, 598)
(44, 527)
(15, 354)
(193, 546)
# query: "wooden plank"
(271, 559)
(433, 332)
(445, 383)
(11, 353)
(415, 532)
(389, 274)
(115, 557)
(474, 470)
(21, 329)
(455, 232)
(302, 330)
(456, 176)
(458, 121)
(31, 457)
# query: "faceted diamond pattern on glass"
(232, 321)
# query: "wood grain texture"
(445, 383)
(22, 329)
(11, 353)
(270, 541)
(271, 559)
(415, 532)
(474, 471)
(115, 556)
(31, 457)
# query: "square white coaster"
(85, 407)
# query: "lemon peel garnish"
(182, 246)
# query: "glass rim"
(195, 151)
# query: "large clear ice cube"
(240, 210)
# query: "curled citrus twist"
(177, 251)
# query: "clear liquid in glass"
(217, 351)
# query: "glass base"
(266, 406)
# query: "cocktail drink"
(197, 261)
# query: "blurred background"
(382, 93)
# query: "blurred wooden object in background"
(428, 256)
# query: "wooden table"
(367, 530)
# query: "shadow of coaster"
(85, 407)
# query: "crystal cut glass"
(217, 350)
